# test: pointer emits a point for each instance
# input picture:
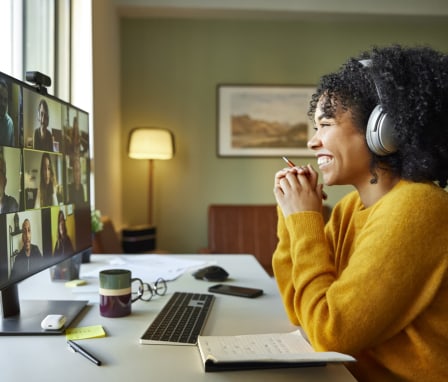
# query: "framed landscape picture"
(264, 120)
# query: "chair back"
(245, 229)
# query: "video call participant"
(7, 203)
(30, 256)
(46, 195)
(76, 190)
(73, 140)
(373, 282)
(63, 244)
(43, 140)
(6, 123)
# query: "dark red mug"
(116, 292)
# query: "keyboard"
(180, 321)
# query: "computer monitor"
(44, 198)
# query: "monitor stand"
(32, 312)
(23, 317)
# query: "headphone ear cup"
(379, 133)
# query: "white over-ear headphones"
(379, 132)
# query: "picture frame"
(263, 120)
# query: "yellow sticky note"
(75, 283)
(95, 331)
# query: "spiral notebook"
(261, 351)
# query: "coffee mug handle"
(140, 289)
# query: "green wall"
(170, 69)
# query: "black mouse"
(211, 273)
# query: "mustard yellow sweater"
(373, 283)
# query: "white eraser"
(53, 322)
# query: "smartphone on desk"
(234, 290)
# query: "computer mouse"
(211, 273)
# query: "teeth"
(323, 160)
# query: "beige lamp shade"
(151, 143)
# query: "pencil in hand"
(291, 164)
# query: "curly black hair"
(413, 85)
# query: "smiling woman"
(369, 283)
(340, 164)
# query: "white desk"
(46, 358)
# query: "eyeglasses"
(146, 291)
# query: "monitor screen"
(44, 189)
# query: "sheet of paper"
(148, 267)
(248, 345)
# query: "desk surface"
(46, 358)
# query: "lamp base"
(139, 239)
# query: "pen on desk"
(83, 352)
(291, 164)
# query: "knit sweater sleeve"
(390, 270)
(282, 267)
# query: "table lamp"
(150, 143)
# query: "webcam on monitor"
(41, 80)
